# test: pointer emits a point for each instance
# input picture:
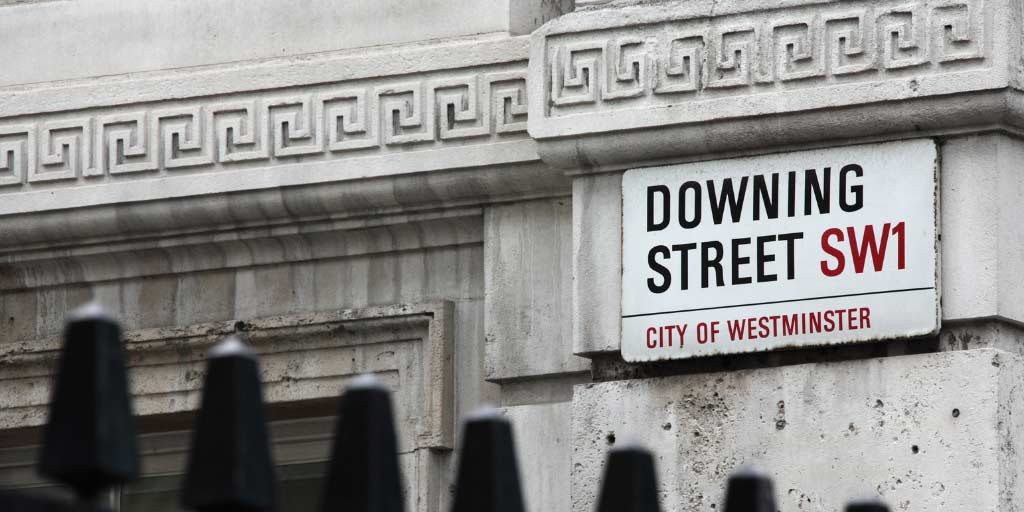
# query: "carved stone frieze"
(402, 121)
(702, 57)
(707, 58)
(344, 121)
(603, 71)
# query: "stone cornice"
(281, 123)
(610, 88)
(240, 248)
(252, 214)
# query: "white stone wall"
(77, 39)
(451, 172)
(927, 432)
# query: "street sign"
(794, 249)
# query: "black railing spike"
(867, 505)
(363, 475)
(749, 490)
(89, 438)
(11, 501)
(488, 476)
(630, 483)
(230, 467)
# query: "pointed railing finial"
(867, 505)
(13, 501)
(630, 483)
(749, 490)
(230, 467)
(89, 438)
(363, 475)
(488, 476)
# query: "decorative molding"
(696, 58)
(693, 59)
(206, 135)
(345, 123)
(238, 249)
(659, 66)
(212, 218)
(302, 357)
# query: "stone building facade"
(431, 191)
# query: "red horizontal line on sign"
(780, 301)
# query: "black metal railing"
(89, 444)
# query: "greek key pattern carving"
(745, 54)
(317, 122)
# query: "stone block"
(597, 263)
(527, 276)
(936, 431)
(982, 236)
(473, 390)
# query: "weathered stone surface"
(248, 278)
(544, 390)
(983, 333)
(527, 276)
(303, 357)
(927, 432)
(544, 447)
(470, 354)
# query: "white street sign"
(797, 249)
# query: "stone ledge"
(905, 427)
(282, 210)
(997, 111)
(239, 250)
